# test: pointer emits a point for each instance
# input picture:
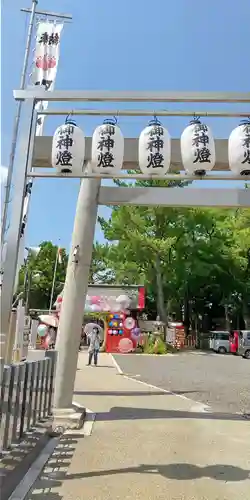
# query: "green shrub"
(154, 345)
(160, 347)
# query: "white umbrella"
(89, 327)
(49, 319)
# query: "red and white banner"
(46, 58)
(59, 255)
(47, 52)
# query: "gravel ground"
(222, 382)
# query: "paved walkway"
(146, 445)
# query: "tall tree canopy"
(193, 262)
(189, 259)
(40, 270)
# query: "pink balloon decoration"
(46, 341)
(125, 346)
(95, 300)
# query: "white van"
(244, 344)
(219, 342)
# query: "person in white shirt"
(94, 346)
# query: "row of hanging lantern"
(154, 155)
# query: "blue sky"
(127, 45)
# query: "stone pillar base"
(67, 418)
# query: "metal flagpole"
(13, 244)
(54, 280)
(17, 122)
(33, 11)
(41, 75)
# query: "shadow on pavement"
(177, 471)
(56, 467)
(174, 471)
(132, 393)
(17, 460)
(129, 413)
(98, 366)
(55, 473)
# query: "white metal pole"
(17, 121)
(75, 291)
(13, 240)
(54, 281)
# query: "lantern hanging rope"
(110, 121)
(69, 119)
(246, 121)
(195, 120)
(155, 121)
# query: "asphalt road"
(220, 381)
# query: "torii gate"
(36, 152)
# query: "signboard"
(111, 298)
(108, 295)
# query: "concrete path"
(146, 444)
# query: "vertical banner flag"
(59, 256)
(46, 58)
(47, 53)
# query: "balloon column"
(122, 333)
(42, 330)
(42, 336)
(115, 324)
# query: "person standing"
(94, 346)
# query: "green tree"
(41, 271)
(100, 271)
(238, 233)
(185, 257)
(142, 237)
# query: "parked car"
(244, 344)
(220, 341)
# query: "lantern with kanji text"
(239, 149)
(197, 148)
(107, 148)
(68, 148)
(154, 149)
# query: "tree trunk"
(227, 318)
(186, 313)
(161, 310)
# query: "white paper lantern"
(68, 148)
(154, 149)
(107, 148)
(239, 149)
(197, 148)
